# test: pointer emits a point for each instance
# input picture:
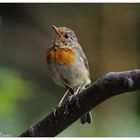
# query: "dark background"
(109, 35)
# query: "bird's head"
(64, 37)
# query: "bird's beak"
(56, 29)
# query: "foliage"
(12, 90)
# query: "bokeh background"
(110, 37)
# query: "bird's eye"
(66, 36)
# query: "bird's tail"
(86, 118)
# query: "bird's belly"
(74, 75)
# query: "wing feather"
(84, 58)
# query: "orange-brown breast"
(63, 56)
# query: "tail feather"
(87, 118)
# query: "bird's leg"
(75, 93)
(60, 103)
(78, 89)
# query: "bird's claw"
(76, 98)
(55, 109)
(77, 102)
(70, 98)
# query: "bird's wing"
(82, 55)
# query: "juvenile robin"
(68, 65)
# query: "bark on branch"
(112, 84)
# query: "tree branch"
(114, 83)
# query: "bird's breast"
(63, 56)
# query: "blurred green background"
(110, 37)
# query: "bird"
(67, 64)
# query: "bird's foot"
(54, 109)
(75, 97)
(70, 97)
